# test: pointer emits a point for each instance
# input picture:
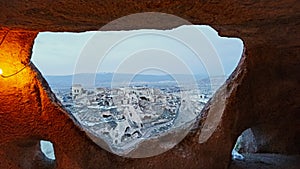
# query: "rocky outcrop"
(261, 94)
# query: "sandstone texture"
(262, 93)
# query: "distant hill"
(105, 79)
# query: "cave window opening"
(245, 144)
(130, 85)
(47, 149)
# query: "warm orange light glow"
(6, 76)
(15, 50)
(15, 75)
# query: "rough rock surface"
(261, 94)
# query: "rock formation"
(262, 93)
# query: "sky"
(184, 50)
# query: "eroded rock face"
(261, 94)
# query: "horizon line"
(204, 75)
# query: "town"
(123, 115)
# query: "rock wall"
(261, 94)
